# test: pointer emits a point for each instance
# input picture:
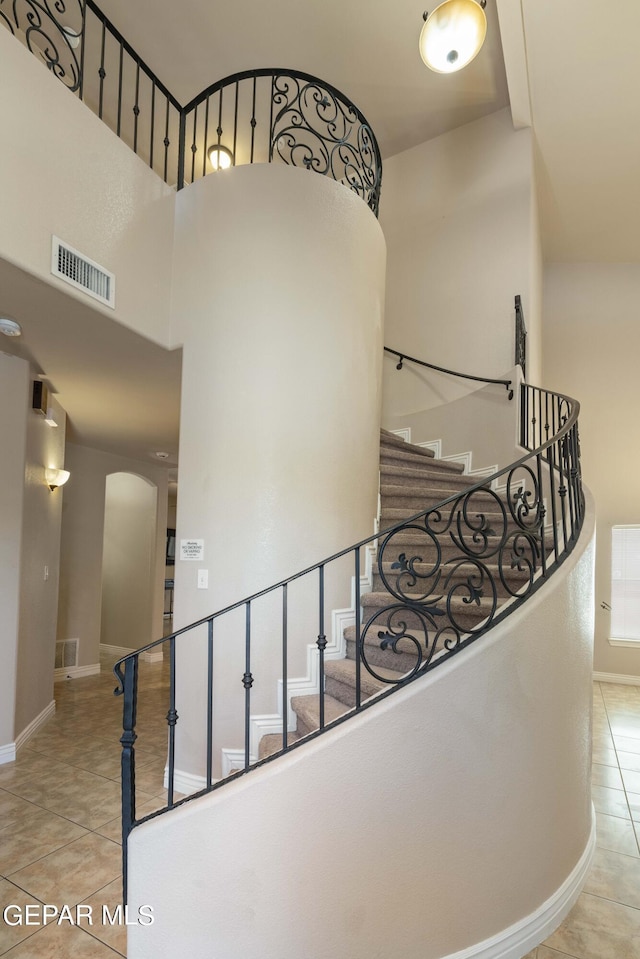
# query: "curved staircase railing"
(257, 116)
(450, 572)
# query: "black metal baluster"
(101, 72)
(209, 702)
(546, 415)
(543, 549)
(166, 142)
(235, 124)
(128, 758)
(206, 137)
(219, 127)
(83, 41)
(550, 455)
(322, 643)
(570, 501)
(270, 144)
(181, 148)
(172, 719)
(253, 120)
(285, 672)
(153, 122)
(562, 489)
(359, 639)
(194, 145)
(247, 682)
(120, 67)
(136, 110)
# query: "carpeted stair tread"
(388, 439)
(272, 743)
(410, 476)
(307, 709)
(340, 674)
(412, 456)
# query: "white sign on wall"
(192, 549)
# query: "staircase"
(411, 480)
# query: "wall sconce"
(220, 158)
(55, 477)
(453, 34)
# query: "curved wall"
(278, 295)
(454, 817)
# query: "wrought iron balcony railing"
(451, 572)
(259, 116)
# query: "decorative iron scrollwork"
(319, 130)
(52, 31)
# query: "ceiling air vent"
(83, 273)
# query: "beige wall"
(129, 561)
(591, 350)
(79, 614)
(41, 521)
(14, 410)
(29, 551)
(72, 177)
(453, 831)
(278, 298)
(459, 217)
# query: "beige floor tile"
(598, 929)
(615, 876)
(13, 808)
(628, 726)
(11, 934)
(114, 935)
(616, 834)
(612, 802)
(61, 942)
(545, 953)
(634, 805)
(628, 744)
(33, 838)
(606, 776)
(631, 780)
(74, 872)
(606, 755)
(629, 761)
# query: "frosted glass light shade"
(220, 158)
(453, 35)
(55, 477)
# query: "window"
(625, 585)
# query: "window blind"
(625, 582)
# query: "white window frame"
(625, 586)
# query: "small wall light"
(453, 34)
(9, 327)
(55, 477)
(220, 158)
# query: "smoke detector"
(9, 327)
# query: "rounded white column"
(278, 302)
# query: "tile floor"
(60, 829)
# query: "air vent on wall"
(66, 653)
(83, 273)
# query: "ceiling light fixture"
(9, 327)
(220, 158)
(55, 477)
(453, 34)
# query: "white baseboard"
(153, 655)
(234, 758)
(620, 678)
(75, 672)
(523, 936)
(9, 752)
(115, 650)
(185, 783)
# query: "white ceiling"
(578, 66)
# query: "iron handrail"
(441, 369)
(480, 528)
(308, 123)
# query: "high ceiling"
(572, 72)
